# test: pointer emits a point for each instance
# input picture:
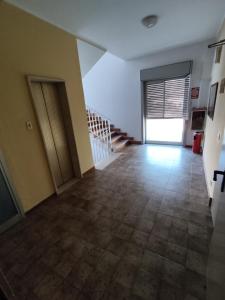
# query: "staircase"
(119, 139)
(105, 137)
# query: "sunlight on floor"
(163, 154)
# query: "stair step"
(115, 129)
(123, 133)
(99, 128)
(124, 137)
(116, 138)
(113, 133)
(119, 145)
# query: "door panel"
(47, 133)
(7, 206)
(55, 115)
(216, 260)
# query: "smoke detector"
(149, 21)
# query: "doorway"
(164, 131)
(53, 115)
(10, 210)
(166, 109)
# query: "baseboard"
(188, 146)
(54, 195)
(88, 172)
(135, 142)
(36, 206)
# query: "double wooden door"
(49, 104)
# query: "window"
(167, 99)
(166, 108)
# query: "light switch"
(29, 125)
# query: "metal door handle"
(216, 172)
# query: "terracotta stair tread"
(115, 129)
(119, 145)
(116, 138)
(129, 138)
(119, 138)
(123, 133)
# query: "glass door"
(164, 131)
(10, 212)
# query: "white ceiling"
(115, 24)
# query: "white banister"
(100, 135)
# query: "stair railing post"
(105, 136)
(110, 137)
(100, 135)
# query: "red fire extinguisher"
(196, 147)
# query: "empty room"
(112, 150)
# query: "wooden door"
(56, 120)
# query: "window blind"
(167, 99)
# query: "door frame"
(215, 262)
(61, 84)
(143, 123)
(15, 198)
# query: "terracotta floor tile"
(146, 285)
(125, 273)
(139, 229)
(153, 263)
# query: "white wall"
(216, 126)
(107, 89)
(202, 60)
(88, 56)
(113, 85)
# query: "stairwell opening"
(107, 141)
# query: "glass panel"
(7, 206)
(164, 130)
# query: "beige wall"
(216, 127)
(32, 46)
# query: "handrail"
(97, 113)
(100, 133)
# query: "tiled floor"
(137, 230)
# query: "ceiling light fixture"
(149, 21)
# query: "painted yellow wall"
(216, 126)
(32, 46)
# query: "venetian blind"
(167, 99)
